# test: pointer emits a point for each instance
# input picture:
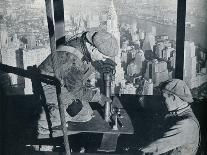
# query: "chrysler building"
(112, 27)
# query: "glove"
(151, 149)
(104, 66)
(100, 98)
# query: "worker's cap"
(105, 42)
(179, 88)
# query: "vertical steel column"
(49, 11)
(59, 22)
(180, 38)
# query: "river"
(197, 34)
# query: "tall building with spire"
(112, 22)
(112, 27)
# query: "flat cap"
(105, 42)
(179, 88)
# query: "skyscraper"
(3, 34)
(20, 64)
(112, 22)
(112, 27)
(157, 71)
(189, 62)
(149, 42)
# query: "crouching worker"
(79, 58)
(180, 127)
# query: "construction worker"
(78, 58)
(180, 127)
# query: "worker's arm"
(95, 94)
(180, 134)
(46, 66)
(100, 98)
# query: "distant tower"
(20, 64)
(154, 31)
(189, 62)
(139, 58)
(31, 40)
(112, 27)
(3, 34)
(157, 71)
(3, 38)
(112, 22)
(149, 42)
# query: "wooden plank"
(63, 153)
(95, 125)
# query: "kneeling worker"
(182, 135)
(79, 58)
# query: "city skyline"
(135, 34)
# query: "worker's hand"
(100, 98)
(104, 99)
(148, 150)
(104, 66)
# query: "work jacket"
(72, 70)
(180, 136)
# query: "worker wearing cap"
(181, 128)
(78, 59)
